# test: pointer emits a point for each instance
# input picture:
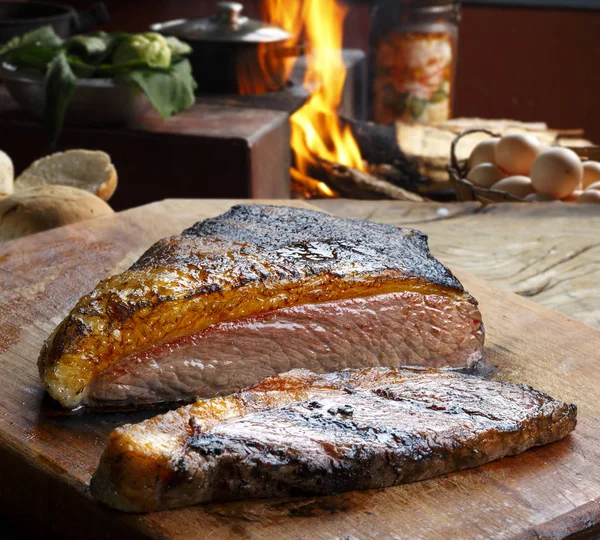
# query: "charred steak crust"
(305, 434)
(250, 260)
(312, 242)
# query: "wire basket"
(465, 190)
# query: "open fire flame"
(315, 128)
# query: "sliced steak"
(254, 292)
(306, 434)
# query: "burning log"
(354, 184)
(305, 187)
(379, 148)
(387, 173)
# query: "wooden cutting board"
(48, 457)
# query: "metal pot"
(228, 45)
(17, 18)
(95, 102)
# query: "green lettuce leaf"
(106, 70)
(94, 49)
(32, 50)
(178, 47)
(60, 86)
(88, 48)
(44, 37)
(170, 92)
(31, 56)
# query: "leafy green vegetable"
(149, 47)
(178, 47)
(60, 86)
(113, 41)
(149, 60)
(32, 50)
(89, 48)
(9, 45)
(83, 69)
(116, 69)
(29, 56)
(170, 93)
(44, 37)
(96, 48)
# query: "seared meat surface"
(233, 293)
(304, 434)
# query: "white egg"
(557, 172)
(540, 197)
(594, 187)
(519, 186)
(589, 196)
(483, 152)
(591, 173)
(485, 175)
(515, 153)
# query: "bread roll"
(45, 207)
(7, 174)
(83, 169)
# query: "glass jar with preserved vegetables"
(413, 59)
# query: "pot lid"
(227, 25)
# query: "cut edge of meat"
(389, 330)
(73, 354)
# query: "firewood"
(304, 187)
(355, 184)
(378, 146)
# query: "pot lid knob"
(230, 14)
(227, 25)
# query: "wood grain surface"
(47, 457)
(549, 253)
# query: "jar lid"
(430, 6)
(227, 25)
(415, 4)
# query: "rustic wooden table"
(548, 252)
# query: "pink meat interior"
(404, 328)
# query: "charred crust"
(71, 330)
(310, 242)
(120, 311)
(289, 243)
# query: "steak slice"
(254, 292)
(305, 434)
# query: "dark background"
(523, 63)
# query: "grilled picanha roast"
(304, 434)
(254, 292)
